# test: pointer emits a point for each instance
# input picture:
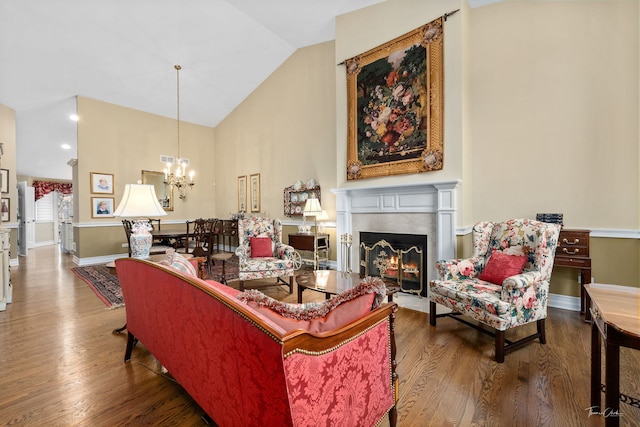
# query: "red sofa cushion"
(319, 317)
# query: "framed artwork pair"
(253, 193)
(102, 206)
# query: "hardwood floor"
(60, 365)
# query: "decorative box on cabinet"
(294, 200)
(573, 252)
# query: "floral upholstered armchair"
(504, 284)
(261, 253)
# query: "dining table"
(174, 236)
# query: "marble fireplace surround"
(428, 209)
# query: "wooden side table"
(222, 256)
(573, 252)
(616, 319)
(308, 242)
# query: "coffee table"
(331, 282)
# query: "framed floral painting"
(395, 106)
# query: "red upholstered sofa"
(245, 370)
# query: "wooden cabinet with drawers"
(573, 252)
(229, 232)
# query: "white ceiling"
(123, 52)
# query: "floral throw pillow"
(179, 262)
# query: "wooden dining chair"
(155, 223)
(199, 239)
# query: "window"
(44, 208)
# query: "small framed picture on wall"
(242, 193)
(101, 183)
(102, 207)
(254, 184)
(4, 180)
(5, 208)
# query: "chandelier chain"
(178, 68)
(178, 179)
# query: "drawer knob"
(575, 242)
(573, 252)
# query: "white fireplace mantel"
(433, 198)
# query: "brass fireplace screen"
(399, 263)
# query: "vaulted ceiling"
(124, 51)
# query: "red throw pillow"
(501, 266)
(260, 247)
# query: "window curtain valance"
(42, 188)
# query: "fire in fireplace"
(401, 258)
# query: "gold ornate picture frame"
(396, 106)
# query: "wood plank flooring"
(60, 365)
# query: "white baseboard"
(43, 243)
(564, 302)
(81, 262)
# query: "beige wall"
(555, 111)
(123, 142)
(555, 115)
(285, 131)
(8, 140)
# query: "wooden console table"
(307, 242)
(573, 252)
(616, 317)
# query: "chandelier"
(179, 178)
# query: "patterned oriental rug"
(104, 282)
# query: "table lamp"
(313, 208)
(324, 216)
(140, 201)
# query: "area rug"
(105, 285)
(230, 268)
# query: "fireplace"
(416, 208)
(400, 258)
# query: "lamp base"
(140, 239)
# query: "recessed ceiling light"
(66, 146)
(74, 117)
